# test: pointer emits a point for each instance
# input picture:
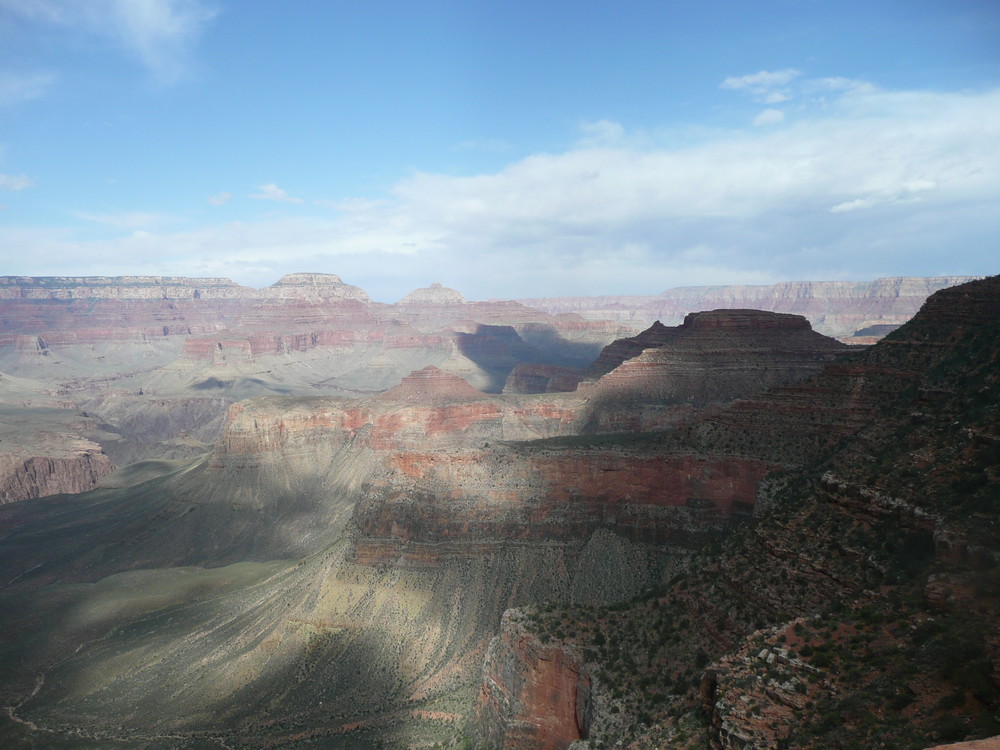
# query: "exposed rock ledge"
(991, 743)
(24, 478)
(535, 696)
(434, 293)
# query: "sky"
(506, 149)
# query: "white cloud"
(220, 199)
(867, 183)
(601, 133)
(271, 192)
(768, 86)
(769, 117)
(19, 87)
(907, 192)
(763, 78)
(15, 182)
(839, 84)
(159, 33)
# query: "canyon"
(546, 532)
(841, 309)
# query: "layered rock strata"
(334, 572)
(534, 696)
(835, 308)
(712, 358)
(826, 621)
(45, 451)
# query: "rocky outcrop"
(829, 620)
(835, 308)
(38, 476)
(48, 457)
(712, 358)
(313, 286)
(534, 695)
(532, 377)
(621, 350)
(993, 743)
(435, 293)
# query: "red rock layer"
(534, 696)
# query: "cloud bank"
(852, 182)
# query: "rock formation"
(534, 695)
(665, 375)
(435, 293)
(835, 308)
(837, 617)
(337, 570)
(158, 360)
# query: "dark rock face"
(38, 476)
(867, 561)
(618, 352)
(711, 359)
(44, 450)
(527, 377)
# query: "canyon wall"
(824, 622)
(835, 308)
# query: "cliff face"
(831, 619)
(540, 378)
(455, 479)
(172, 349)
(45, 451)
(835, 308)
(534, 696)
(37, 476)
(712, 358)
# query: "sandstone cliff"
(534, 695)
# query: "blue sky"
(511, 149)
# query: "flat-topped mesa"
(431, 385)
(433, 294)
(713, 358)
(744, 321)
(297, 279)
(118, 287)
(313, 286)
